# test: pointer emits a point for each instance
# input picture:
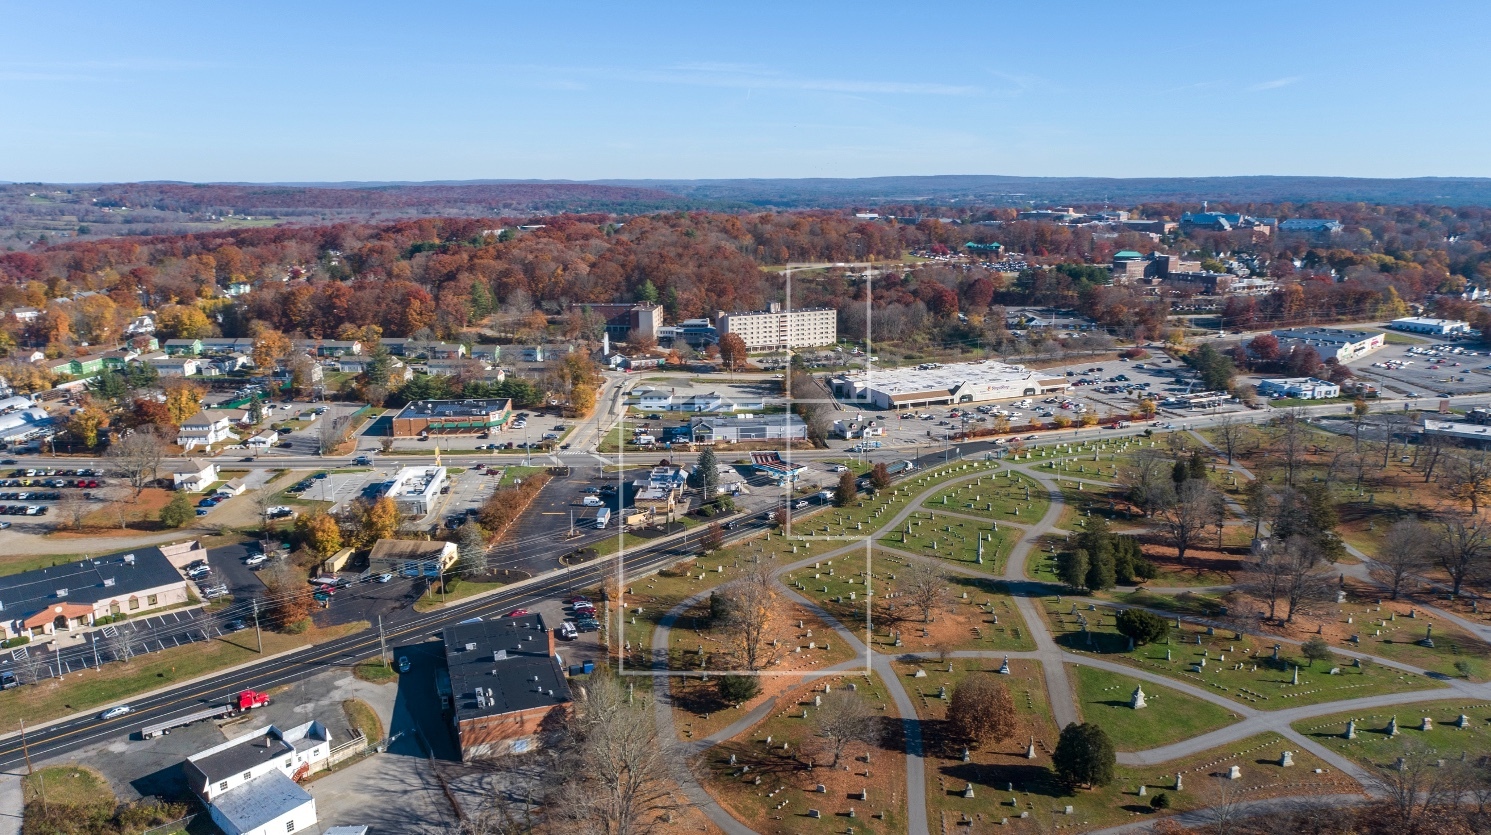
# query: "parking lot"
(1426, 368)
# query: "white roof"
(899, 381)
(261, 800)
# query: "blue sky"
(332, 91)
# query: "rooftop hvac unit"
(499, 655)
(61, 592)
(470, 647)
(108, 582)
(481, 700)
(535, 678)
(489, 696)
(129, 559)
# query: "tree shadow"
(1033, 779)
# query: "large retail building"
(934, 384)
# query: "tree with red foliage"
(940, 300)
(1265, 347)
(1303, 361)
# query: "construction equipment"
(243, 702)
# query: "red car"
(517, 613)
(577, 599)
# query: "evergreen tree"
(706, 476)
(647, 292)
(1101, 573)
(1196, 466)
(177, 512)
(1072, 566)
(1084, 756)
(471, 542)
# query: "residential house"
(183, 347)
(264, 440)
(488, 353)
(141, 326)
(25, 314)
(412, 558)
(655, 400)
(193, 475)
(329, 347)
(180, 366)
(208, 427)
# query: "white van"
(591, 501)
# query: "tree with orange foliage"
(733, 351)
(183, 399)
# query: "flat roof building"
(776, 329)
(416, 489)
(412, 558)
(504, 682)
(1343, 345)
(934, 384)
(1468, 433)
(748, 428)
(1304, 388)
(452, 417)
(1423, 324)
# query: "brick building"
(503, 682)
(452, 417)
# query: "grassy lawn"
(1171, 716)
(456, 589)
(88, 689)
(1374, 748)
(877, 768)
(1394, 338)
(69, 785)
(608, 545)
(517, 471)
(28, 562)
(955, 539)
(360, 715)
(1261, 682)
(375, 671)
(1400, 641)
(1006, 497)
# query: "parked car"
(403, 663)
(235, 625)
(255, 559)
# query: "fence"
(173, 826)
(354, 747)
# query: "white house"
(655, 399)
(249, 783)
(193, 475)
(207, 427)
(175, 366)
(263, 440)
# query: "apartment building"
(776, 329)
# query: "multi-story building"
(776, 329)
(207, 427)
(249, 783)
(628, 322)
(502, 681)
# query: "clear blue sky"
(329, 91)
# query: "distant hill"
(1002, 190)
(420, 198)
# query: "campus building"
(627, 322)
(934, 384)
(1343, 345)
(776, 329)
(452, 417)
(501, 681)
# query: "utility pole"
(94, 641)
(25, 750)
(258, 636)
(382, 643)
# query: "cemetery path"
(1053, 658)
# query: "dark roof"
(31, 591)
(506, 684)
(243, 756)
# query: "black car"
(588, 626)
(235, 625)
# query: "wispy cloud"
(1273, 85)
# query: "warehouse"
(1342, 345)
(1437, 327)
(934, 384)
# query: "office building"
(776, 329)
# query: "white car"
(255, 559)
(114, 712)
(384, 578)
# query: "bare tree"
(1289, 441)
(925, 587)
(1306, 582)
(1267, 575)
(74, 507)
(331, 433)
(1415, 784)
(1148, 481)
(1359, 411)
(139, 455)
(1404, 552)
(1462, 546)
(1467, 477)
(1232, 433)
(619, 781)
(750, 619)
(119, 499)
(844, 719)
(1187, 519)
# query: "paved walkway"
(1053, 659)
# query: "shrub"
(738, 689)
(1160, 801)
(1084, 756)
(18, 641)
(1144, 627)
